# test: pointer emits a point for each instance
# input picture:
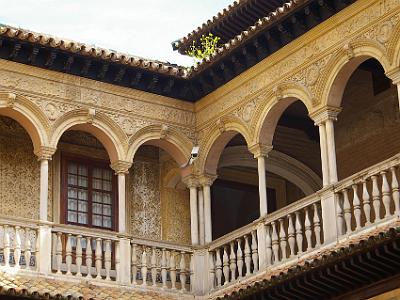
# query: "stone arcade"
(295, 193)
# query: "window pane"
(72, 204)
(72, 168)
(72, 193)
(82, 218)
(71, 216)
(97, 197)
(72, 180)
(82, 181)
(107, 210)
(107, 185)
(97, 220)
(82, 170)
(107, 222)
(97, 184)
(82, 194)
(106, 198)
(97, 173)
(97, 209)
(107, 175)
(82, 206)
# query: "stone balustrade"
(369, 197)
(18, 244)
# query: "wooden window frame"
(90, 163)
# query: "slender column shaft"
(44, 188)
(201, 217)
(330, 140)
(324, 154)
(193, 216)
(121, 203)
(207, 213)
(262, 185)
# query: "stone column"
(121, 169)
(324, 119)
(192, 184)
(44, 232)
(260, 152)
(201, 216)
(394, 75)
(206, 182)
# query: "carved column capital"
(326, 113)
(45, 153)
(191, 181)
(207, 179)
(394, 75)
(121, 167)
(260, 150)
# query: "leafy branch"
(208, 45)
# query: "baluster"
(134, 263)
(247, 255)
(366, 203)
(232, 259)
(182, 272)
(282, 234)
(144, 266)
(376, 198)
(78, 259)
(254, 251)
(218, 267)
(385, 194)
(317, 226)
(107, 259)
(239, 255)
(59, 252)
(356, 206)
(291, 235)
(17, 247)
(28, 249)
(340, 214)
(299, 233)
(347, 210)
(212, 269)
(225, 268)
(275, 242)
(308, 228)
(172, 272)
(89, 257)
(68, 254)
(153, 266)
(7, 245)
(98, 257)
(164, 268)
(268, 245)
(395, 191)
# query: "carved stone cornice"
(260, 150)
(207, 179)
(121, 167)
(191, 181)
(45, 153)
(326, 113)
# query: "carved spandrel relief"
(272, 74)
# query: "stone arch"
(173, 142)
(393, 46)
(28, 115)
(344, 64)
(101, 126)
(220, 135)
(278, 163)
(269, 115)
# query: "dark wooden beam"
(15, 51)
(120, 74)
(103, 71)
(50, 59)
(33, 55)
(86, 67)
(68, 64)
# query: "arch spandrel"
(214, 143)
(342, 66)
(99, 125)
(28, 115)
(176, 144)
(268, 115)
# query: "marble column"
(324, 154)
(191, 182)
(394, 75)
(201, 217)
(260, 153)
(330, 142)
(206, 182)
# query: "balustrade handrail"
(160, 244)
(18, 221)
(83, 231)
(367, 173)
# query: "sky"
(143, 28)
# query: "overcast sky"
(141, 27)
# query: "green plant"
(208, 45)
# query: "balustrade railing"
(18, 247)
(368, 197)
(287, 234)
(161, 264)
(88, 253)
